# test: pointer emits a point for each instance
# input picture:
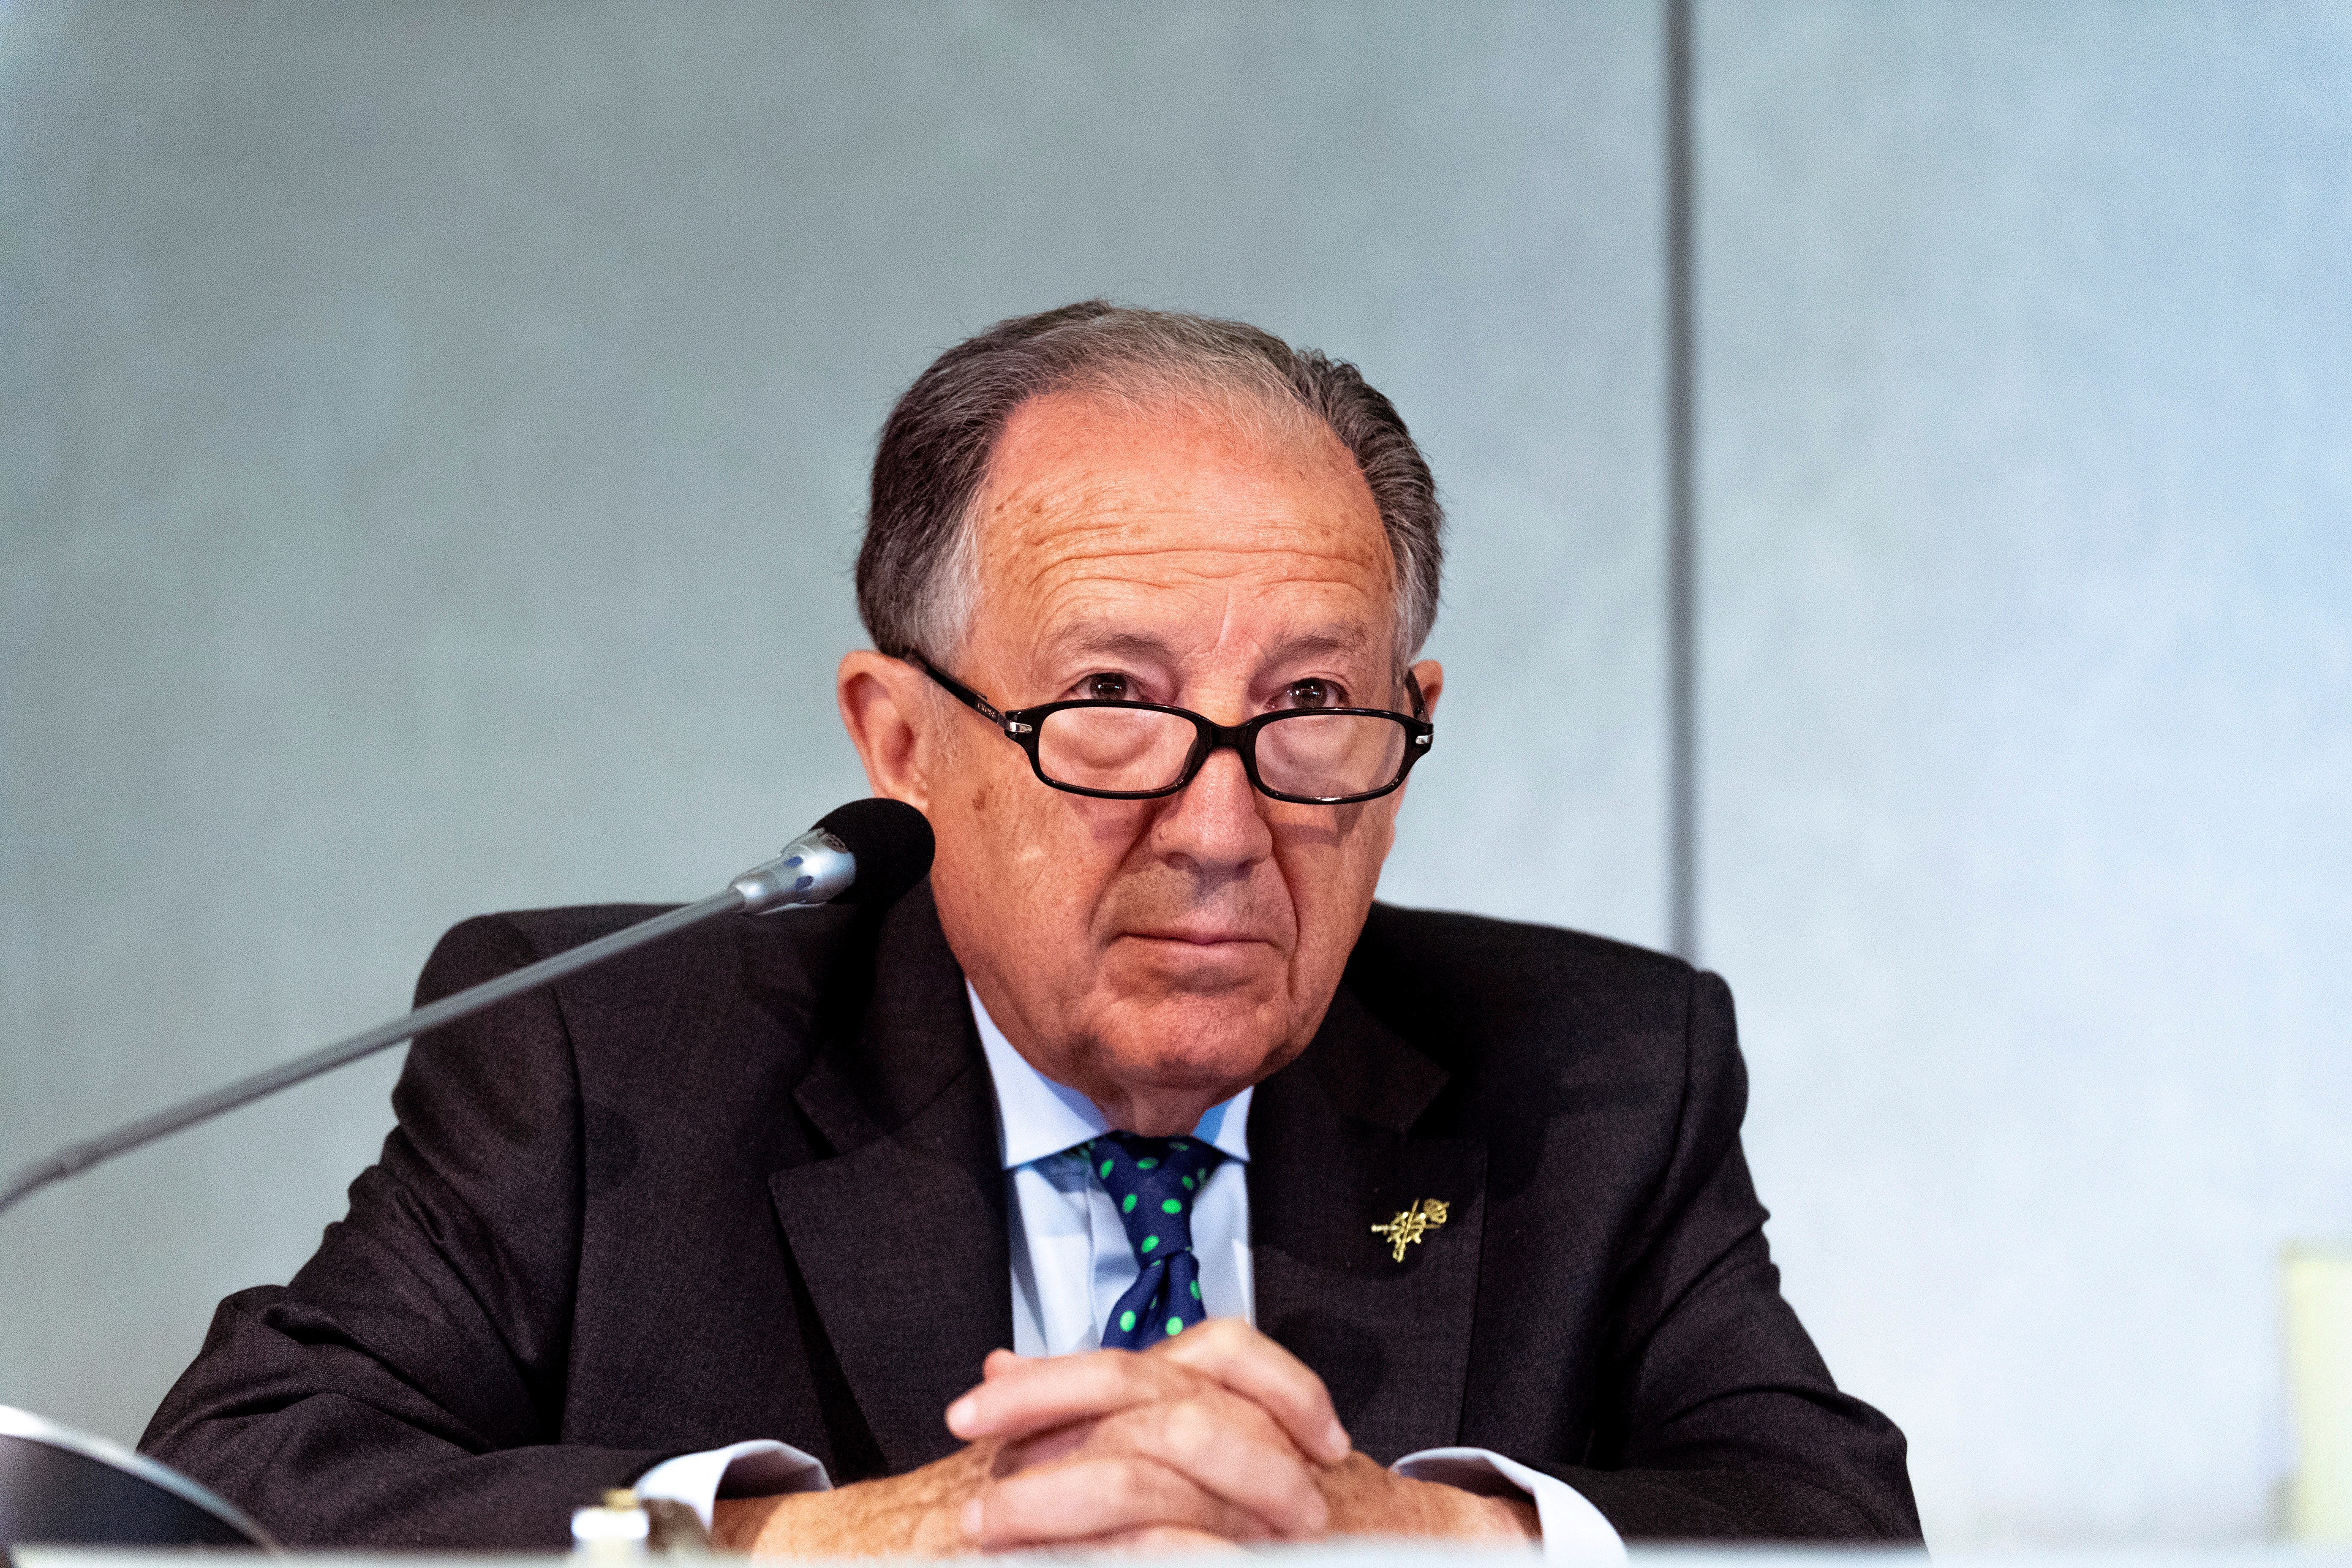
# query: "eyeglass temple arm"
(960, 692)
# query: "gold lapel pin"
(1412, 1224)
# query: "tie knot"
(1154, 1183)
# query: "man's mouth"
(1200, 936)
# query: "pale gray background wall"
(431, 441)
(2027, 485)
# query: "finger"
(1002, 1364)
(1215, 1438)
(1048, 1447)
(1160, 1541)
(1045, 1391)
(1089, 1497)
(1230, 1446)
(1257, 1368)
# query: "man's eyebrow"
(1116, 642)
(1108, 641)
(1336, 638)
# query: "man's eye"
(1107, 689)
(1315, 694)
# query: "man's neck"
(1037, 1116)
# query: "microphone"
(867, 853)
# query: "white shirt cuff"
(761, 1467)
(1573, 1529)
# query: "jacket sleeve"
(407, 1388)
(1720, 1420)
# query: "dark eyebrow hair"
(1325, 639)
(1102, 639)
(1107, 640)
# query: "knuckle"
(1224, 1339)
(1143, 1376)
(1124, 1488)
(1189, 1428)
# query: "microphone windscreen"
(892, 842)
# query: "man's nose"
(1215, 821)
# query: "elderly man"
(1136, 1182)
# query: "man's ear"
(1429, 676)
(883, 708)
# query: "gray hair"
(918, 571)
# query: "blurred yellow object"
(2317, 1282)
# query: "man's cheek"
(1051, 859)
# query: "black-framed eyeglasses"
(1140, 750)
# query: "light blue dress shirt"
(1071, 1263)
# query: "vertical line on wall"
(1682, 500)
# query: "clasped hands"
(1218, 1436)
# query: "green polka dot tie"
(1154, 1182)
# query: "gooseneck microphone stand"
(866, 852)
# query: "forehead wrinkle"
(1219, 572)
(1076, 524)
(1054, 542)
(1123, 581)
(1094, 501)
(1102, 638)
(1103, 602)
(1041, 543)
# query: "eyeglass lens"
(1125, 750)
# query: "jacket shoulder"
(1442, 946)
(794, 952)
(1460, 985)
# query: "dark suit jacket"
(745, 1183)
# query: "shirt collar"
(1037, 1116)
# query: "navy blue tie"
(1154, 1182)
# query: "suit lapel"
(1330, 1157)
(901, 1236)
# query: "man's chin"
(1211, 1040)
